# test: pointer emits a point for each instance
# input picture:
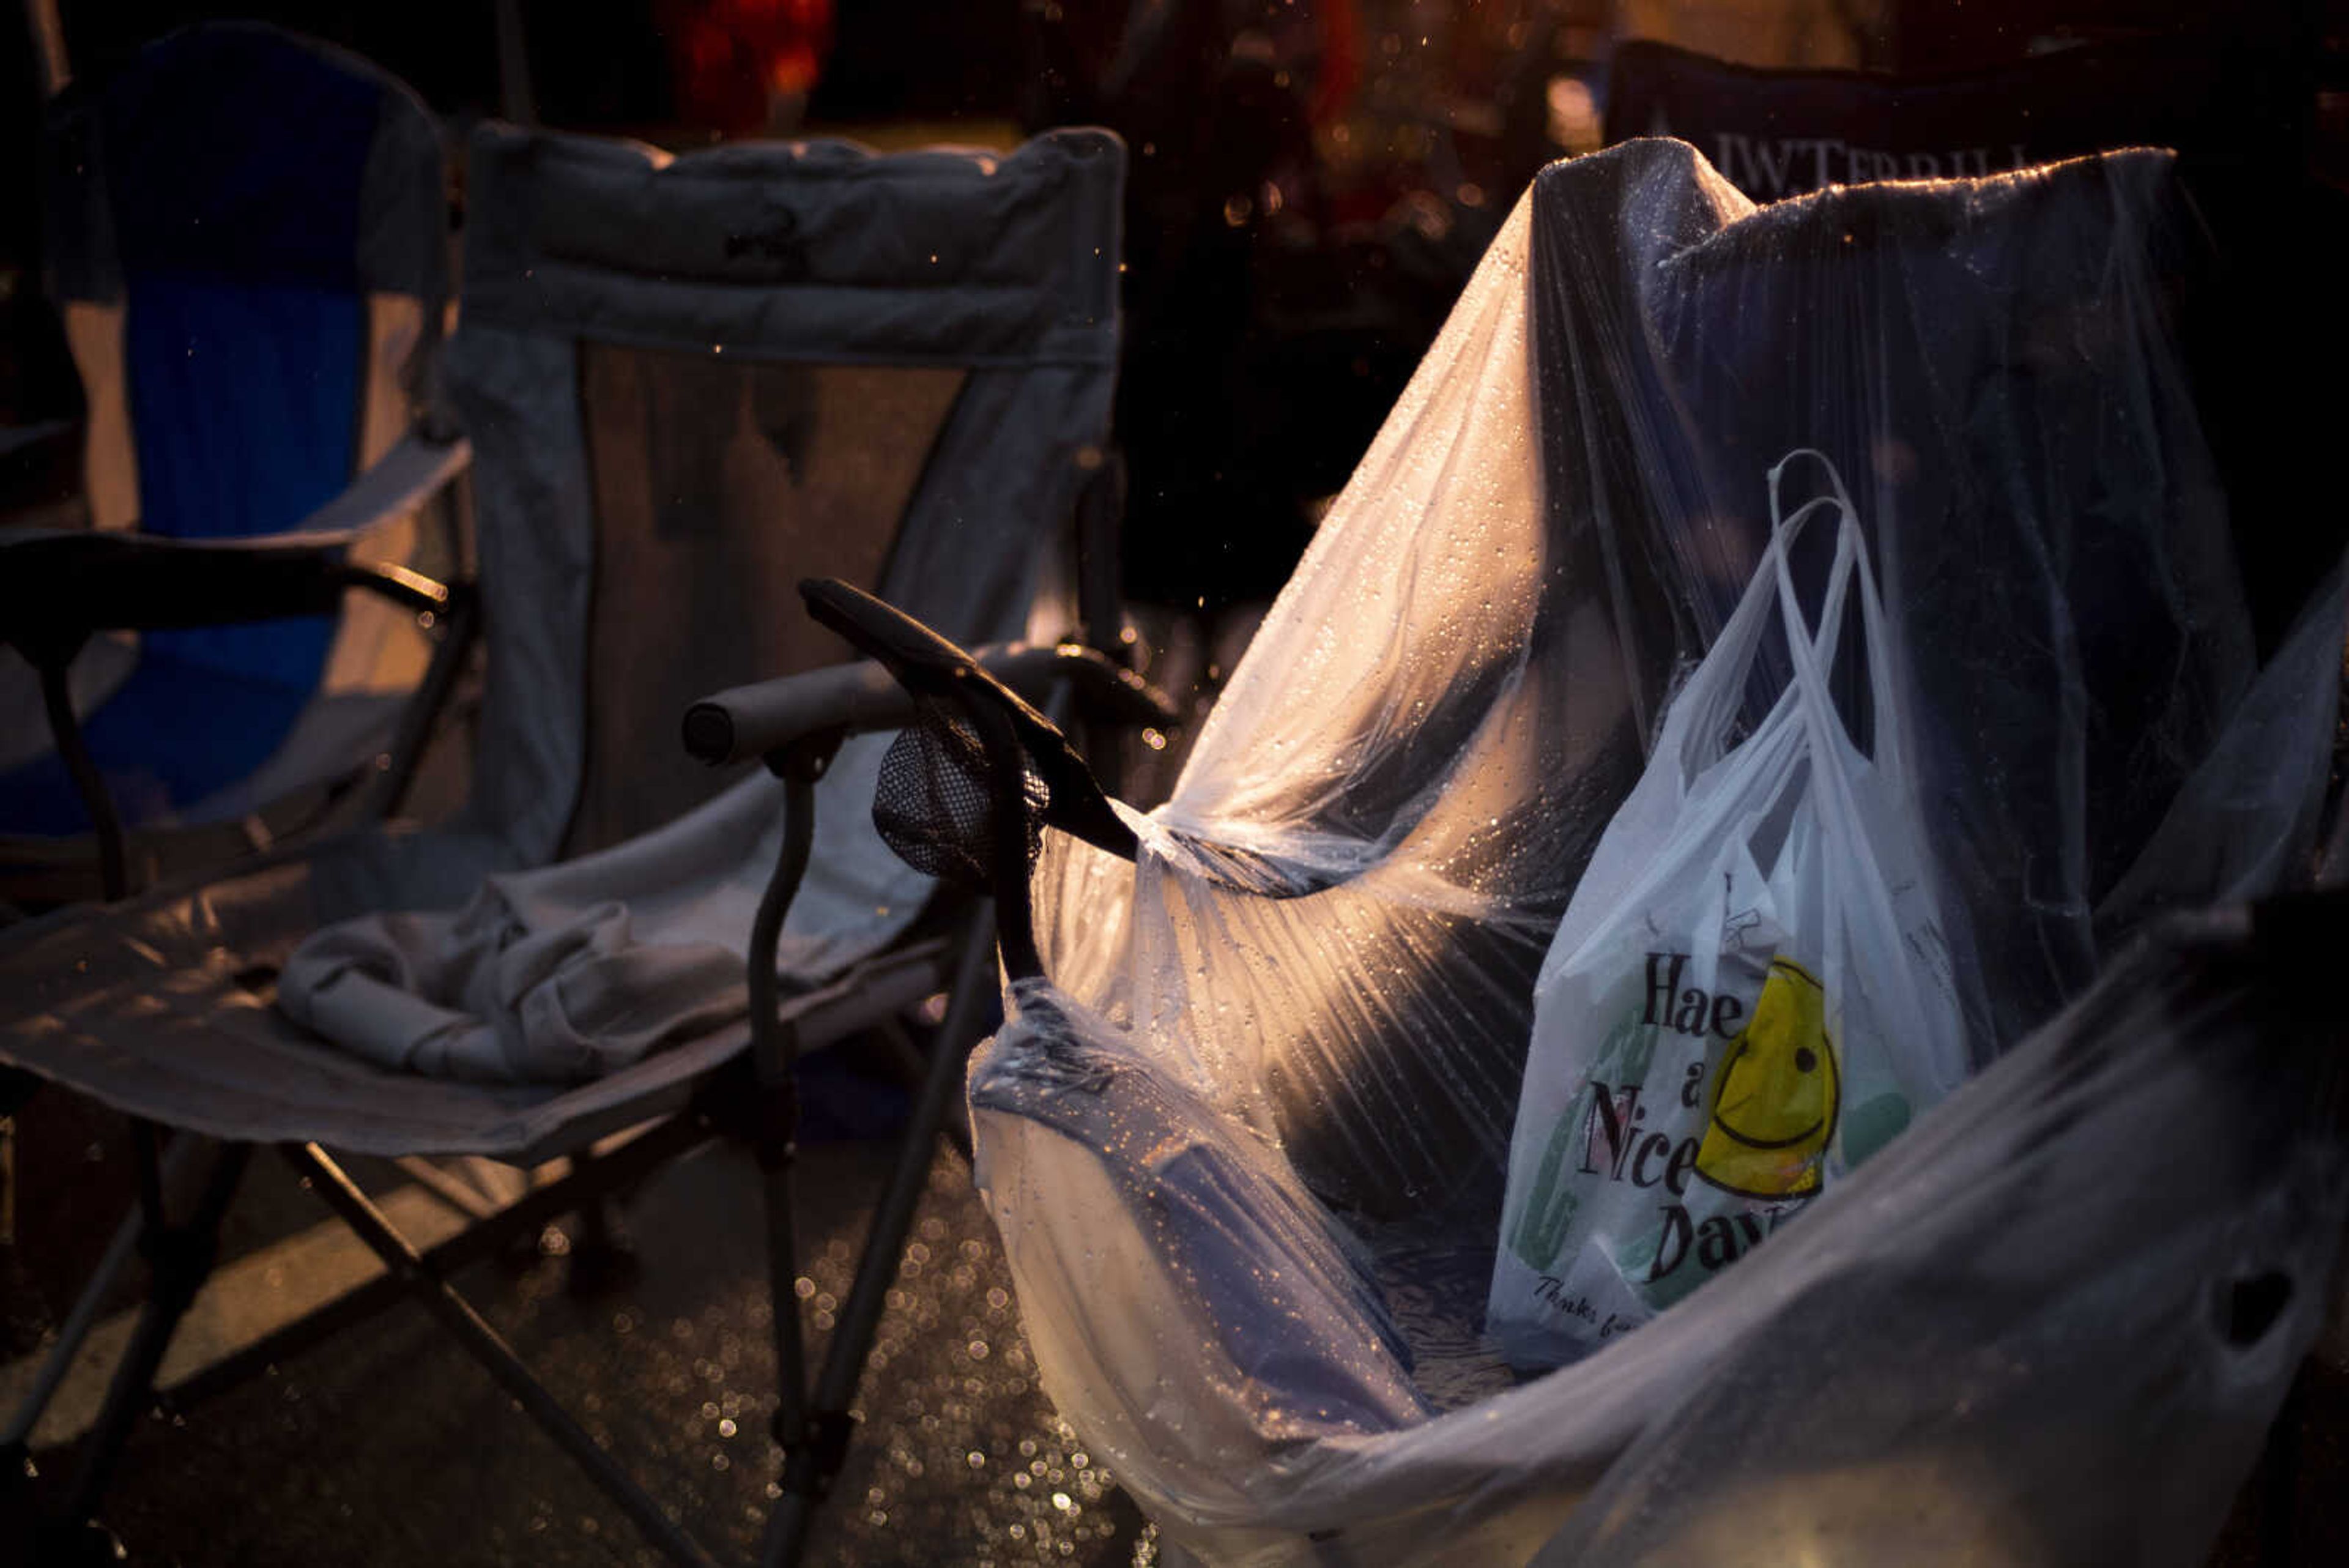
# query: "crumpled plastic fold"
(2048, 1324)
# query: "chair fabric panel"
(242, 398)
(176, 731)
(240, 155)
(809, 250)
(1002, 477)
(159, 1007)
(245, 402)
(1774, 133)
(517, 397)
(718, 486)
(353, 153)
(110, 456)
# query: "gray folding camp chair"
(248, 236)
(688, 381)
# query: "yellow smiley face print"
(1775, 1094)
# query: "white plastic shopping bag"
(1750, 991)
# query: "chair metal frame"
(62, 589)
(795, 725)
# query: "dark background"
(1310, 183)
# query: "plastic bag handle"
(1808, 654)
(1720, 680)
(1774, 748)
(1830, 737)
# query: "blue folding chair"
(248, 238)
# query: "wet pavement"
(389, 1446)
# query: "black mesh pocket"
(935, 804)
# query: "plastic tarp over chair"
(248, 239)
(2046, 1325)
(688, 381)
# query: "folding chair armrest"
(57, 588)
(1104, 690)
(403, 479)
(768, 718)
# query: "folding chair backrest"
(2050, 451)
(2230, 107)
(247, 236)
(1774, 133)
(692, 382)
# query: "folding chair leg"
(483, 1343)
(89, 784)
(601, 1259)
(911, 1068)
(787, 1524)
(774, 1066)
(16, 1442)
(483, 1239)
(822, 1432)
(182, 1256)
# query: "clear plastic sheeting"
(1338, 915)
(2048, 1325)
(1996, 363)
(1311, 993)
(1345, 898)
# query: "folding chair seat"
(1243, 1131)
(687, 380)
(248, 239)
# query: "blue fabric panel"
(243, 154)
(175, 732)
(244, 401)
(235, 160)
